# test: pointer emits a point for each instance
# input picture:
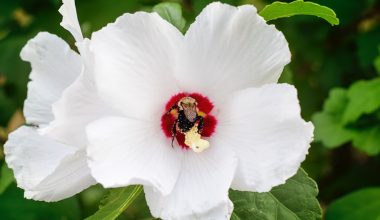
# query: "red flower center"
(187, 111)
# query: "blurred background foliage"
(335, 69)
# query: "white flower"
(229, 56)
(236, 127)
(48, 165)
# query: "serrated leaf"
(363, 204)
(299, 7)
(359, 99)
(6, 178)
(116, 203)
(294, 200)
(363, 99)
(328, 126)
(172, 12)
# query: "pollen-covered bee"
(188, 117)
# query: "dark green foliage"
(351, 115)
(14, 206)
(335, 70)
(363, 204)
(294, 200)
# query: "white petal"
(135, 61)
(264, 126)
(223, 211)
(125, 151)
(73, 112)
(231, 48)
(201, 191)
(32, 157)
(47, 170)
(54, 67)
(70, 19)
(69, 178)
(78, 106)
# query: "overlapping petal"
(264, 127)
(135, 60)
(230, 48)
(54, 67)
(69, 178)
(70, 19)
(201, 191)
(79, 105)
(227, 49)
(124, 151)
(32, 157)
(46, 169)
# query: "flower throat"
(187, 120)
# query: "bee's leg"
(173, 141)
(200, 123)
(174, 132)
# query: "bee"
(187, 118)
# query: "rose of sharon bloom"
(48, 165)
(213, 92)
(47, 168)
(186, 116)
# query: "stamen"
(194, 141)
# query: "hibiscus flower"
(49, 161)
(186, 116)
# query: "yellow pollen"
(174, 112)
(202, 114)
(194, 141)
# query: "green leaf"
(328, 128)
(337, 101)
(294, 200)
(363, 204)
(346, 117)
(329, 131)
(368, 140)
(332, 129)
(172, 12)
(117, 202)
(299, 7)
(6, 178)
(363, 99)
